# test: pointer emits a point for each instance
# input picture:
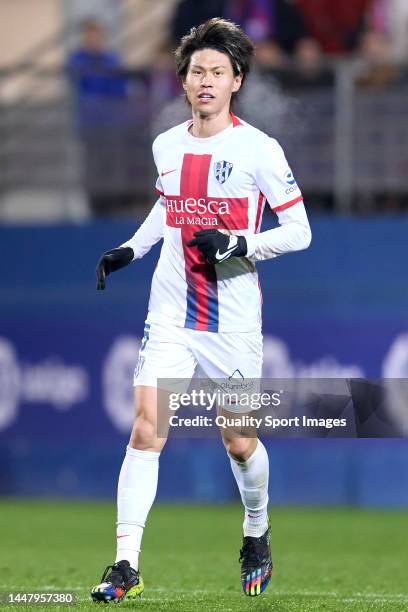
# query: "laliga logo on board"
(47, 382)
(9, 384)
(396, 360)
(278, 363)
(117, 374)
(395, 373)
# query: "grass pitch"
(325, 559)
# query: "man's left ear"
(237, 82)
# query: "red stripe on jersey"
(186, 176)
(203, 176)
(205, 273)
(287, 204)
(158, 191)
(235, 121)
(261, 202)
(194, 184)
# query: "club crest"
(222, 170)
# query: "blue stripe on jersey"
(191, 314)
(213, 317)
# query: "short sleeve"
(274, 176)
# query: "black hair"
(223, 36)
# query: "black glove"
(216, 247)
(110, 262)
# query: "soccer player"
(215, 173)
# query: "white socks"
(252, 479)
(137, 488)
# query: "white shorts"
(179, 353)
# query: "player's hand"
(216, 247)
(110, 262)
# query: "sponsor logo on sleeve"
(291, 181)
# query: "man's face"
(210, 82)
(93, 38)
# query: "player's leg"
(163, 355)
(137, 488)
(250, 466)
(138, 476)
(235, 361)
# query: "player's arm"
(293, 234)
(150, 232)
(275, 180)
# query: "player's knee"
(240, 449)
(144, 434)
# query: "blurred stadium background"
(84, 89)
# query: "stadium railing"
(346, 139)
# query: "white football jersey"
(222, 183)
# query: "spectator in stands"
(262, 20)
(376, 69)
(254, 16)
(164, 84)
(95, 68)
(391, 18)
(269, 55)
(101, 94)
(310, 67)
(308, 56)
(336, 24)
(265, 20)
